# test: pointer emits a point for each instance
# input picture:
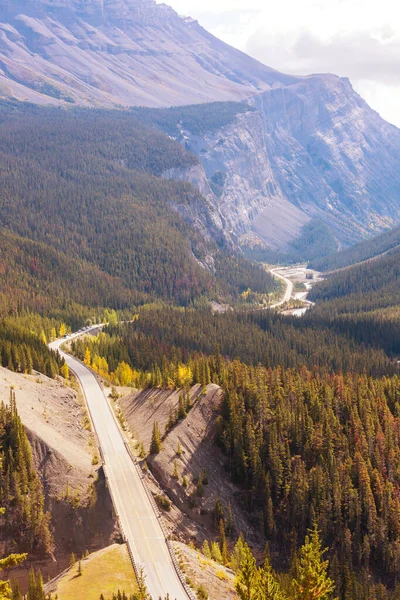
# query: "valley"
(299, 281)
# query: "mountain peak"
(101, 10)
(119, 53)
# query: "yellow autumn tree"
(62, 330)
(88, 359)
(100, 365)
(123, 374)
(65, 371)
(184, 376)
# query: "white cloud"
(359, 39)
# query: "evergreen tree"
(222, 542)
(268, 587)
(142, 588)
(16, 591)
(216, 553)
(229, 521)
(312, 581)
(206, 549)
(35, 586)
(238, 554)
(155, 446)
(247, 577)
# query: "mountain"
(386, 243)
(310, 169)
(119, 53)
(87, 218)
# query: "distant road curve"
(289, 288)
(138, 520)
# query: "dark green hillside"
(363, 302)
(196, 118)
(87, 184)
(255, 338)
(386, 242)
(34, 277)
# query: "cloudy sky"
(359, 39)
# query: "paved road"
(138, 520)
(289, 288)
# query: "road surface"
(289, 289)
(137, 517)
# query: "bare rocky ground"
(191, 515)
(199, 570)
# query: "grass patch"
(103, 572)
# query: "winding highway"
(137, 517)
(288, 291)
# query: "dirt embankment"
(190, 449)
(218, 581)
(64, 449)
(55, 416)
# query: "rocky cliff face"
(312, 150)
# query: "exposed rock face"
(313, 149)
(119, 53)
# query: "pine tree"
(35, 586)
(218, 512)
(222, 542)
(72, 560)
(216, 553)
(16, 593)
(229, 521)
(206, 549)
(247, 578)
(238, 554)
(142, 588)
(312, 581)
(79, 572)
(155, 446)
(268, 587)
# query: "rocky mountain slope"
(311, 152)
(119, 53)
